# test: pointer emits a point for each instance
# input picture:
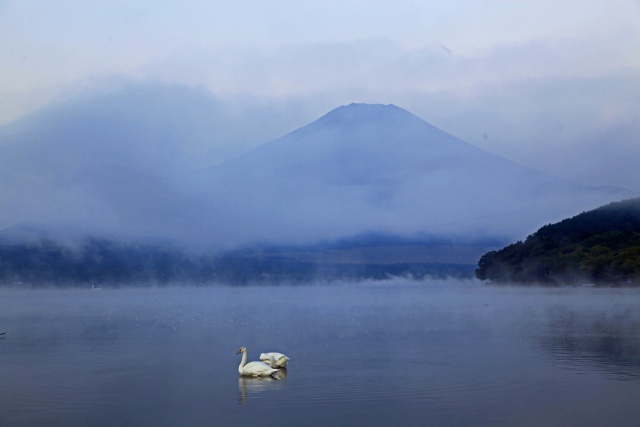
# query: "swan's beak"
(239, 351)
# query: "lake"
(401, 353)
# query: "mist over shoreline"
(113, 264)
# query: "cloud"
(114, 157)
(554, 124)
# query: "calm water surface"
(396, 353)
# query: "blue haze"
(160, 162)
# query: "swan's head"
(242, 350)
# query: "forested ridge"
(102, 262)
(601, 247)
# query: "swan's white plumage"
(253, 369)
(275, 360)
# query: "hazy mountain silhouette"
(121, 166)
(378, 167)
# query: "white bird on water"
(253, 369)
(275, 360)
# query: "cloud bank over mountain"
(156, 161)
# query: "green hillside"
(601, 246)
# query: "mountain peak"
(378, 116)
(364, 107)
(356, 111)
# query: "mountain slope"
(377, 167)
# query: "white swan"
(275, 360)
(254, 369)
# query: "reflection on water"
(253, 385)
(614, 355)
(607, 341)
(398, 353)
(281, 374)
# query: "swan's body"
(254, 369)
(275, 360)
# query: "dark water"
(399, 353)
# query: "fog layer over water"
(407, 353)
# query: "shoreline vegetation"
(600, 247)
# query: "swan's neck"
(243, 361)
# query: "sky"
(553, 85)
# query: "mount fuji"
(378, 168)
(114, 169)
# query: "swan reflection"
(255, 385)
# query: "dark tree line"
(109, 263)
(601, 246)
